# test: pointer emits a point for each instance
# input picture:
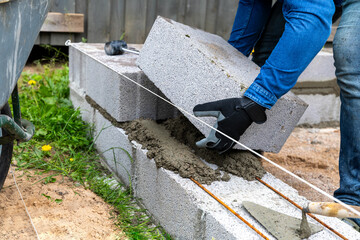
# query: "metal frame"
(19, 129)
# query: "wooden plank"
(99, 21)
(59, 39)
(117, 19)
(226, 15)
(4, 1)
(151, 14)
(63, 6)
(135, 21)
(195, 13)
(37, 41)
(211, 15)
(45, 38)
(63, 22)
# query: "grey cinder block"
(77, 97)
(114, 147)
(321, 68)
(101, 77)
(191, 66)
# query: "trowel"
(281, 226)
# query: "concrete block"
(321, 69)
(102, 78)
(77, 97)
(317, 86)
(115, 148)
(77, 68)
(191, 66)
(322, 109)
(167, 201)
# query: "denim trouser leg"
(250, 19)
(308, 25)
(270, 35)
(347, 63)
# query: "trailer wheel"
(6, 150)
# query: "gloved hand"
(234, 116)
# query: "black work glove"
(234, 116)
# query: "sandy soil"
(80, 215)
(313, 155)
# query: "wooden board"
(63, 22)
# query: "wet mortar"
(171, 144)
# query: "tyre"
(5, 150)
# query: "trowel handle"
(331, 209)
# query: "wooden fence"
(106, 20)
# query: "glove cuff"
(254, 110)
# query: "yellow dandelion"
(71, 159)
(32, 82)
(46, 148)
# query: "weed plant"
(62, 146)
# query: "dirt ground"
(313, 155)
(59, 210)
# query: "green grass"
(58, 125)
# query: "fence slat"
(195, 13)
(98, 20)
(151, 14)
(181, 11)
(135, 21)
(211, 15)
(81, 6)
(226, 15)
(63, 6)
(167, 8)
(117, 19)
(108, 19)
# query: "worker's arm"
(234, 116)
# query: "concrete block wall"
(106, 85)
(184, 210)
(191, 66)
(177, 204)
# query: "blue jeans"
(347, 63)
(307, 26)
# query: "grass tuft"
(62, 145)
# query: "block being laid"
(191, 66)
